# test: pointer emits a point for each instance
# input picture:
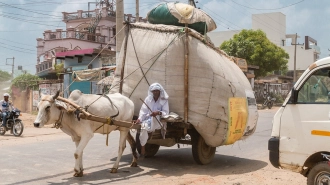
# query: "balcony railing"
(76, 35)
(316, 48)
(43, 66)
(89, 14)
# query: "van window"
(316, 88)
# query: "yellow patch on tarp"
(238, 114)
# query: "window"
(316, 88)
(79, 59)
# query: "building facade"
(274, 25)
(88, 42)
(84, 30)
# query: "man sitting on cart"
(155, 106)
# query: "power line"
(17, 42)
(23, 20)
(30, 16)
(267, 9)
(16, 46)
(221, 17)
(261, 21)
(29, 10)
(17, 50)
(20, 30)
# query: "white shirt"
(5, 105)
(160, 105)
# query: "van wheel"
(202, 153)
(319, 174)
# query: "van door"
(305, 123)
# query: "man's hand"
(154, 114)
(137, 121)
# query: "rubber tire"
(320, 167)
(269, 105)
(13, 127)
(2, 130)
(202, 153)
(151, 149)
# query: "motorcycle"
(14, 124)
(269, 102)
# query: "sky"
(22, 21)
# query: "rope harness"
(58, 123)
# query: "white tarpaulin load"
(221, 103)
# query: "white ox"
(82, 131)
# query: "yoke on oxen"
(105, 120)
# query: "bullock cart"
(177, 132)
(205, 86)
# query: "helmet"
(6, 94)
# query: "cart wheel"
(202, 153)
(151, 149)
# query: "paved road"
(45, 156)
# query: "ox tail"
(132, 142)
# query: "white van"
(301, 127)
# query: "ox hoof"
(113, 170)
(78, 174)
(134, 164)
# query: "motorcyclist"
(5, 106)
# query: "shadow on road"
(166, 163)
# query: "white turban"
(157, 86)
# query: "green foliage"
(4, 76)
(26, 80)
(279, 98)
(257, 50)
(59, 68)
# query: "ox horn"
(56, 95)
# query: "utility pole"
(294, 59)
(12, 66)
(192, 3)
(119, 25)
(137, 17)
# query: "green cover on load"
(162, 15)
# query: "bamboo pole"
(186, 72)
(124, 60)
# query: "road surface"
(45, 156)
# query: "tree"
(26, 80)
(257, 50)
(4, 76)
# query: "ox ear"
(64, 106)
(61, 105)
(56, 95)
